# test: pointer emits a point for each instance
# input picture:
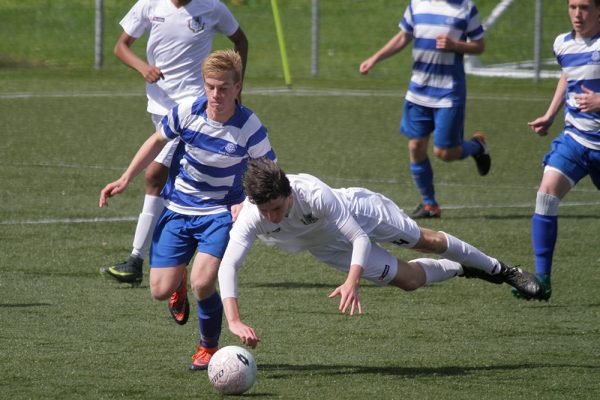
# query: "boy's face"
(221, 92)
(584, 16)
(276, 209)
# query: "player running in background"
(443, 31)
(344, 228)
(217, 136)
(575, 153)
(180, 35)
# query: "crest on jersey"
(196, 24)
(230, 148)
(596, 56)
(308, 219)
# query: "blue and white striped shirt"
(580, 62)
(209, 179)
(438, 77)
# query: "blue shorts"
(447, 124)
(177, 237)
(573, 159)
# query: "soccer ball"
(232, 370)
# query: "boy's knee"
(445, 154)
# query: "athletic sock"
(153, 206)
(470, 148)
(422, 174)
(464, 253)
(210, 317)
(438, 270)
(544, 230)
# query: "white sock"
(153, 206)
(546, 204)
(438, 270)
(464, 253)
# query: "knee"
(203, 287)
(444, 154)
(432, 242)
(155, 178)
(417, 150)
(412, 284)
(160, 292)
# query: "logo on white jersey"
(596, 56)
(196, 24)
(308, 219)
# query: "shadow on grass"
(294, 285)
(24, 305)
(279, 371)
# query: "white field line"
(348, 180)
(68, 221)
(273, 91)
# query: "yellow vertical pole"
(284, 60)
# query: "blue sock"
(470, 147)
(544, 230)
(210, 317)
(423, 177)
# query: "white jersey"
(580, 62)
(320, 217)
(209, 177)
(179, 40)
(438, 76)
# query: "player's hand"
(111, 190)
(588, 101)
(444, 42)
(366, 66)
(541, 125)
(348, 293)
(152, 74)
(245, 333)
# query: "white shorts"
(381, 219)
(384, 222)
(166, 154)
(381, 266)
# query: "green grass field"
(67, 333)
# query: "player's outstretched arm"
(348, 291)
(148, 152)
(393, 46)
(246, 333)
(541, 124)
(111, 190)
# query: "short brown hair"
(264, 181)
(221, 61)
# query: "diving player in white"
(343, 228)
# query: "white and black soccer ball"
(232, 370)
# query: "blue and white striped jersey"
(438, 77)
(209, 178)
(580, 62)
